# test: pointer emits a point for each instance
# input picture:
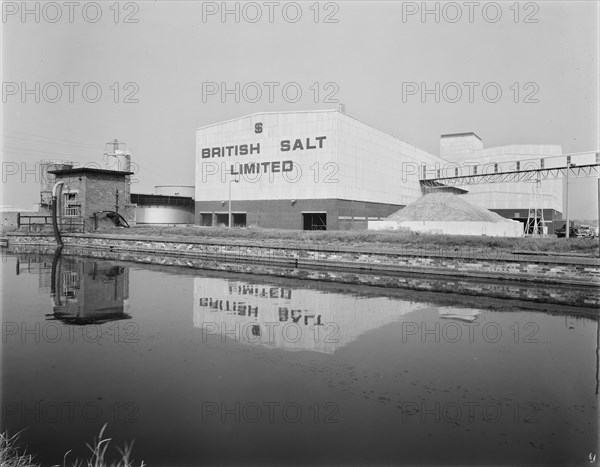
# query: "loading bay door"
(314, 220)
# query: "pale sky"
(368, 53)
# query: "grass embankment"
(13, 455)
(384, 239)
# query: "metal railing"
(25, 220)
(67, 224)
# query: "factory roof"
(340, 112)
(161, 200)
(468, 133)
(88, 170)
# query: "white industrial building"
(511, 200)
(324, 169)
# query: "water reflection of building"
(36, 264)
(291, 319)
(86, 292)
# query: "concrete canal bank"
(556, 279)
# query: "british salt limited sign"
(298, 144)
(285, 145)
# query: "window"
(71, 206)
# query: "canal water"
(212, 368)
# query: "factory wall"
(267, 160)
(490, 229)
(377, 167)
(467, 156)
(459, 146)
(292, 162)
(333, 156)
(263, 134)
(513, 195)
(340, 214)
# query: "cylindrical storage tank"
(175, 190)
(120, 161)
(163, 215)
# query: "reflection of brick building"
(90, 292)
(87, 192)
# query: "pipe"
(55, 261)
(57, 236)
(120, 216)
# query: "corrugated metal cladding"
(324, 161)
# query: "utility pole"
(230, 218)
(567, 229)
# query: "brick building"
(88, 192)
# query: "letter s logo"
(258, 128)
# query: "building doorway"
(239, 219)
(206, 219)
(314, 220)
(222, 220)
